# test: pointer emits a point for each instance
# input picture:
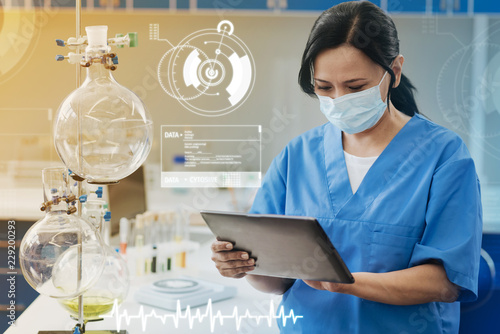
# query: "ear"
(397, 68)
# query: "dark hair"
(366, 27)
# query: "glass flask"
(103, 131)
(92, 211)
(112, 286)
(49, 253)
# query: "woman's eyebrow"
(354, 80)
(316, 79)
(347, 81)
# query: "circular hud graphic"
(211, 72)
(468, 84)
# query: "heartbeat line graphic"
(209, 315)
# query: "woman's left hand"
(421, 284)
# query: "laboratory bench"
(45, 313)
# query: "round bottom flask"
(61, 255)
(103, 132)
(110, 289)
(112, 286)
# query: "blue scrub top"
(419, 202)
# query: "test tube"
(139, 228)
(169, 238)
(163, 229)
(154, 262)
(156, 238)
(139, 245)
(106, 228)
(148, 240)
(124, 233)
(132, 233)
(182, 236)
(146, 218)
(139, 262)
(155, 228)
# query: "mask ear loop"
(391, 83)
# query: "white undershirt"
(357, 167)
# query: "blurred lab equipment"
(183, 292)
(157, 241)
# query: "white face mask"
(355, 112)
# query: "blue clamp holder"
(60, 42)
(98, 192)
(78, 329)
(107, 216)
(83, 198)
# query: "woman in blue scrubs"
(397, 194)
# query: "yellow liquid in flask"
(93, 307)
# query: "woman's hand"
(231, 263)
(421, 284)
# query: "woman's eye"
(323, 87)
(357, 87)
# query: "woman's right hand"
(229, 262)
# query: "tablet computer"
(282, 246)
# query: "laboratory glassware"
(93, 211)
(112, 286)
(103, 131)
(49, 253)
(110, 289)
